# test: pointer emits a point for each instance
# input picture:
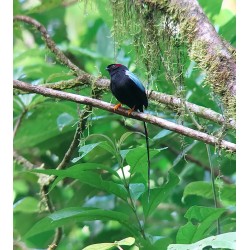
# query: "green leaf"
(83, 173)
(136, 190)
(157, 195)
(224, 241)
(45, 6)
(104, 246)
(105, 45)
(162, 134)
(27, 205)
(40, 125)
(211, 8)
(100, 246)
(63, 120)
(137, 159)
(227, 193)
(84, 150)
(26, 99)
(108, 144)
(200, 219)
(126, 242)
(228, 31)
(183, 153)
(77, 214)
(125, 136)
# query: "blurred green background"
(83, 31)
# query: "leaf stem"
(199, 127)
(131, 204)
(213, 185)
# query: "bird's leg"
(131, 110)
(117, 106)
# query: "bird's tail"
(149, 168)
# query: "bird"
(129, 90)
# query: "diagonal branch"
(206, 47)
(84, 78)
(135, 115)
(162, 98)
(49, 42)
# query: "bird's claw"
(117, 106)
(131, 110)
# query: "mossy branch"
(205, 46)
(86, 79)
(124, 112)
(171, 101)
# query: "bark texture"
(160, 122)
(206, 47)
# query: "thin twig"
(23, 161)
(49, 42)
(19, 121)
(75, 142)
(160, 122)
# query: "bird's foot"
(131, 110)
(117, 106)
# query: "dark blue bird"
(128, 90)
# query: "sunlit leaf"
(105, 246)
(221, 241)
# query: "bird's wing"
(135, 80)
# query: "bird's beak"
(107, 69)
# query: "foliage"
(101, 198)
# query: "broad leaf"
(224, 241)
(63, 120)
(136, 190)
(105, 246)
(138, 161)
(159, 194)
(27, 205)
(77, 214)
(200, 219)
(227, 193)
(84, 150)
(82, 172)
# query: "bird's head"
(112, 67)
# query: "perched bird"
(129, 90)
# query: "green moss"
(161, 32)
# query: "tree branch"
(84, 78)
(135, 115)
(50, 43)
(205, 46)
(165, 99)
(188, 157)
